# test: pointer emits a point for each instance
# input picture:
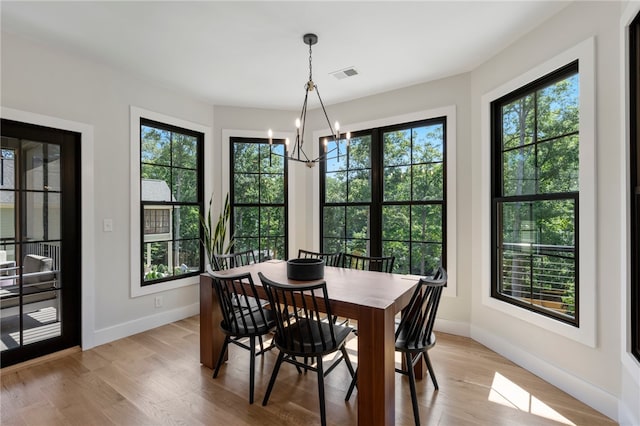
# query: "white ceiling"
(251, 54)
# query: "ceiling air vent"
(347, 72)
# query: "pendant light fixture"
(297, 153)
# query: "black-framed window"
(634, 155)
(259, 197)
(535, 189)
(385, 195)
(171, 201)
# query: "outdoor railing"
(540, 274)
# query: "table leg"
(376, 367)
(211, 337)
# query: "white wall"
(43, 80)
(592, 374)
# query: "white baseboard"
(457, 328)
(589, 394)
(126, 329)
(626, 417)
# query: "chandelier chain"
(310, 73)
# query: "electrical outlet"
(158, 301)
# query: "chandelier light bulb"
(297, 123)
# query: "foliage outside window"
(535, 143)
(385, 195)
(259, 197)
(171, 200)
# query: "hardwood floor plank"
(155, 378)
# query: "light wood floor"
(155, 378)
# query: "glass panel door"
(38, 218)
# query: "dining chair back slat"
(330, 259)
(367, 263)
(233, 260)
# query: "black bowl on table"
(305, 269)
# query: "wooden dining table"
(371, 298)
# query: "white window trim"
(137, 289)
(628, 359)
(584, 52)
(451, 290)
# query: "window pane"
(519, 171)
(397, 148)
(7, 215)
(334, 221)
(558, 165)
(336, 155)
(42, 166)
(157, 220)
(246, 157)
(558, 108)
(243, 244)
(395, 223)
(246, 220)
(271, 160)
(272, 188)
(271, 248)
(428, 182)
(359, 186)
(186, 256)
(358, 247)
(538, 253)
(336, 187)
(186, 221)
(155, 183)
(360, 153)
(156, 258)
(426, 223)
(156, 146)
(357, 222)
(185, 151)
(425, 258)
(8, 165)
(428, 144)
(43, 216)
(185, 185)
(333, 245)
(272, 221)
(397, 184)
(399, 249)
(518, 122)
(246, 188)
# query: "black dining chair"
(414, 334)
(301, 332)
(367, 263)
(239, 324)
(233, 260)
(330, 259)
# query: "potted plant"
(214, 241)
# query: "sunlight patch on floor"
(507, 393)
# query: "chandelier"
(297, 153)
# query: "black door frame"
(70, 266)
